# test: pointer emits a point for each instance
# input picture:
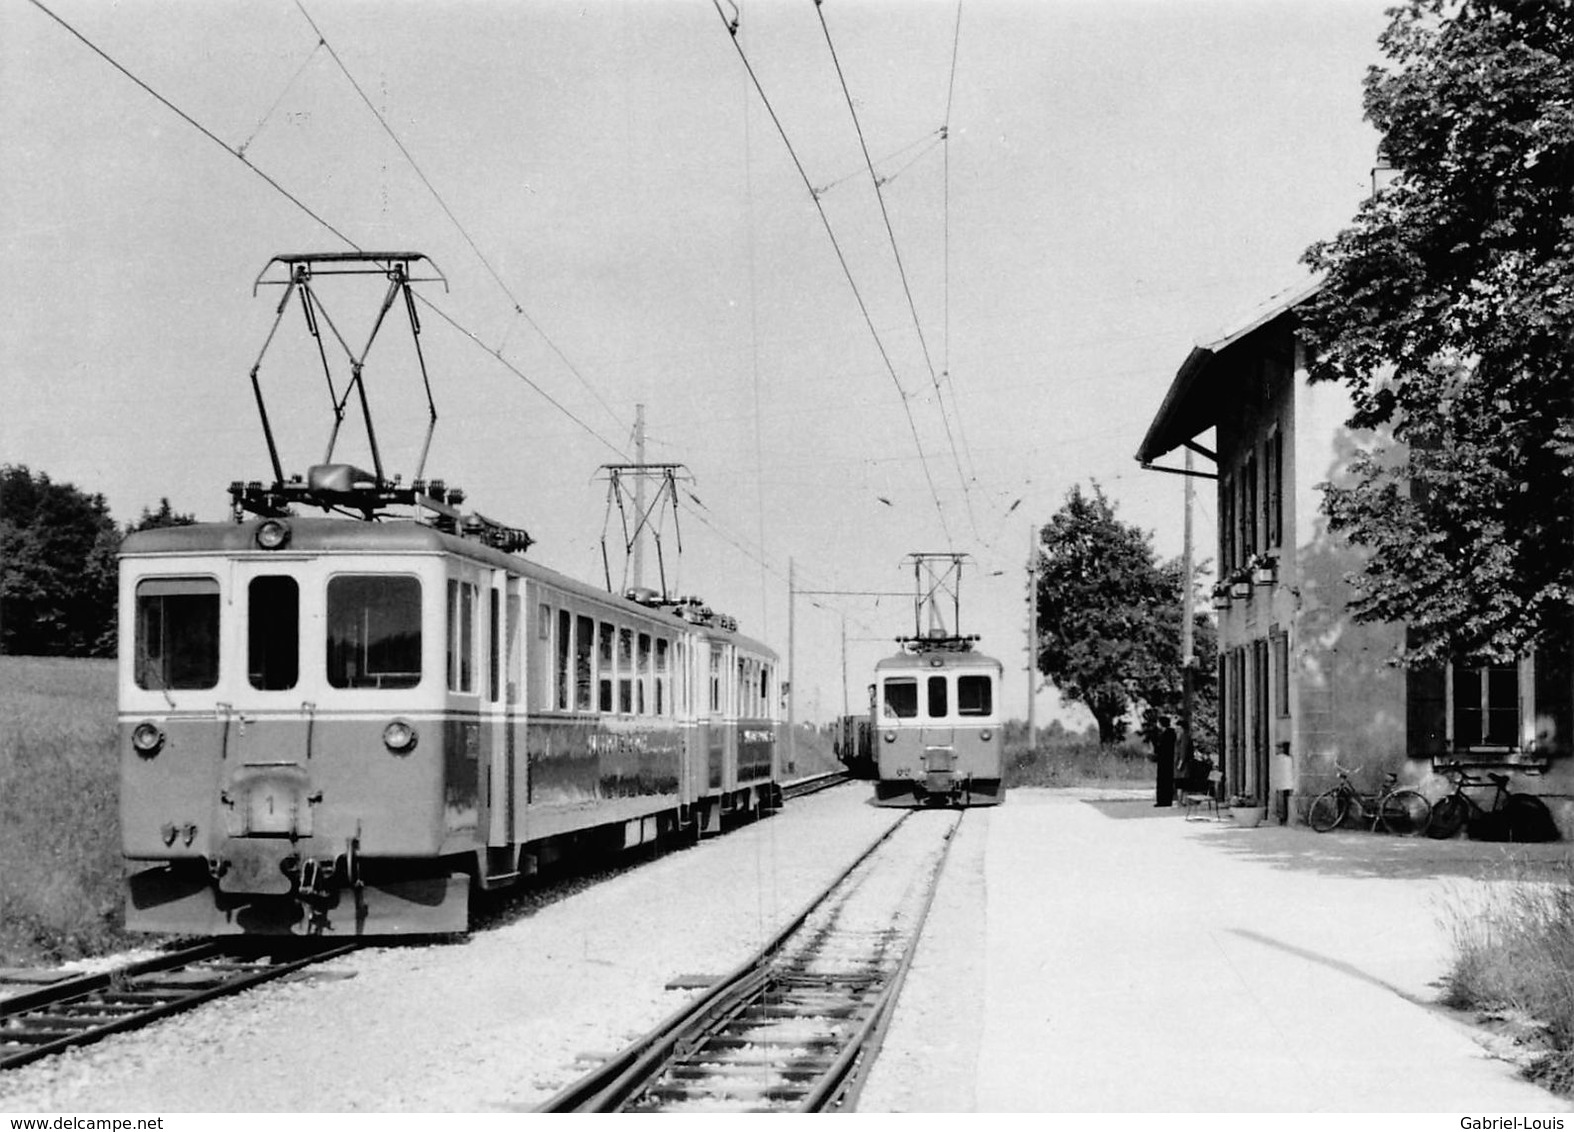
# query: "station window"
(273, 633)
(901, 697)
(937, 698)
(974, 695)
(1486, 706)
(177, 633)
(374, 631)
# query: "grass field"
(1078, 762)
(60, 872)
(1514, 962)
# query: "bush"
(61, 880)
(1077, 762)
(1514, 956)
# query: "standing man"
(1164, 753)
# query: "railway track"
(796, 1027)
(813, 784)
(79, 1010)
(76, 1011)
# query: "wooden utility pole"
(1188, 651)
(1032, 636)
(792, 680)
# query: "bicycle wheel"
(1448, 817)
(1404, 812)
(1528, 819)
(1326, 811)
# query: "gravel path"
(500, 1021)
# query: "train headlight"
(273, 534)
(890, 736)
(147, 739)
(399, 737)
(985, 734)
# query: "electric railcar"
(339, 727)
(937, 735)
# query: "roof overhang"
(1191, 406)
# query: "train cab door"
(721, 770)
(500, 706)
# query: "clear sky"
(617, 215)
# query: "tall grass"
(1077, 762)
(1514, 955)
(60, 870)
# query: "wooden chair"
(1196, 801)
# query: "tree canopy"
(57, 584)
(1447, 308)
(1109, 619)
(58, 569)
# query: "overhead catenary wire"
(945, 225)
(193, 123)
(300, 204)
(519, 308)
(841, 257)
(896, 252)
(451, 319)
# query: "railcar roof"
(321, 535)
(946, 659)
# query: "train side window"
(494, 650)
(604, 672)
(901, 697)
(560, 668)
(584, 647)
(663, 703)
(461, 636)
(626, 671)
(374, 631)
(937, 698)
(641, 695)
(273, 633)
(765, 691)
(513, 681)
(974, 695)
(177, 633)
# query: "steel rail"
(43, 1022)
(841, 1084)
(813, 784)
(623, 1078)
(609, 1083)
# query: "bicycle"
(1511, 817)
(1402, 812)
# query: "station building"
(1302, 684)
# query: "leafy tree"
(165, 516)
(1447, 308)
(1109, 619)
(57, 568)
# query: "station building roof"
(1190, 407)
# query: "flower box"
(1246, 811)
(1240, 589)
